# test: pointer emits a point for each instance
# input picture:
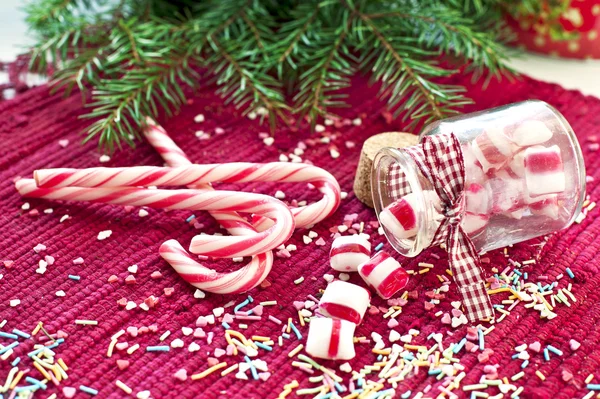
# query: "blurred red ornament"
(570, 30)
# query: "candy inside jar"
(524, 178)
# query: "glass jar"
(524, 178)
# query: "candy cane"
(193, 175)
(210, 280)
(216, 246)
(174, 156)
(173, 253)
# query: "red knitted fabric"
(32, 125)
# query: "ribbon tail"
(468, 276)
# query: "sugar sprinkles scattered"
(103, 235)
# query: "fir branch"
(254, 29)
(43, 16)
(138, 56)
(446, 29)
(120, 105)
(81, 71)
(326, 70)
(417, 81)
(243, 85)
(297, 30)
(395, 60)
(132, 41)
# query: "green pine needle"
(281, 60)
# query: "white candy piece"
(546, 205)
(516, 166)
(507, 194)
(347, 301)
(347, 252)
(477, 198)
(384, 274)
(473, 171)
(474, 224)
(331, 339)
(530, 133)
(516, 214)
(544, 173)
(492, 148)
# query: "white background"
(571, 74)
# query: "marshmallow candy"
(400, 217)
(546, 205)
(473, 223)
(530, 133)
(473, 171)
(492, 148)
(384, 274)
(516, 166)
(544, 172)
(506, 194)
(477, 199)
(347, 252)
(330, 339)
(342, 300)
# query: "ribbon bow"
(440, 159)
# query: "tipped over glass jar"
(524, 178)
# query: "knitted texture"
(31, 126)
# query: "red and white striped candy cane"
(173, 253)
(193, 175)
(210, 280)
(227, 201)
(174, 157)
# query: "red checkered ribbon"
(440, 160)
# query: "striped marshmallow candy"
(331, 339)
(473, 170)
(507, 194)
(473, 223)
(546, 205)
(347, 301)
(492, 148)
(544, 171)
(400, 217)
(477, 198)
(347, 252)
(384, 274)
(530, 133)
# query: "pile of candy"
(344, 304)
(510, 172)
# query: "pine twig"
(426, 94)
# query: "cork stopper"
(362, 181)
